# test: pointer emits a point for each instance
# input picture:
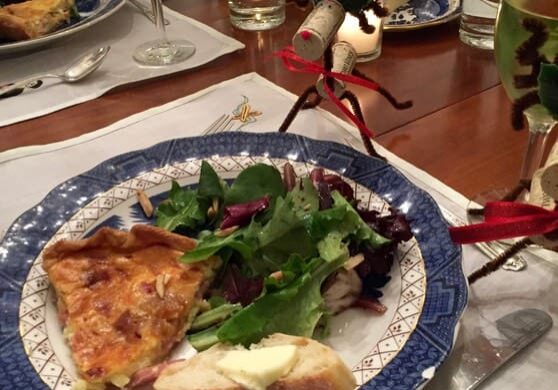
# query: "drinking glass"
(477, 23)
(255, 15)
(161, 52)
(526, 37)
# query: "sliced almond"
(145, 203)
(226, 232)
(166, 279)
(212, 210)
(204, 306)
(120, 380)
(277, 275)
(352, 262)
(160, 286)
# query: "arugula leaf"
(294, 309)
(304, 198)
(319, 224)
(283, 221)
(354, 225)
(332, 248)
(210, 245)
(255, 182)
(293, 268)
(210, 185)
(181, 210)
(282, 236)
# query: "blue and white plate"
(90, 13)
(399, 349)
(415, 14)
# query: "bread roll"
(318, 368)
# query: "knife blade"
(471, 364)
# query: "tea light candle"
(367, 46)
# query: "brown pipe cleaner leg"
(297, 107)
(313, 103)
(520, 105)
(355, 105)
(385, 93)
(493, 265)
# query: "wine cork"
(344, 61)
(318, 29)
(544, 193)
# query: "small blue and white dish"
(415, 14)
(400, 349)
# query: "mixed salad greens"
(282, 241)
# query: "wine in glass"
(162, 51)
(526, 45)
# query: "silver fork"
(222, 124)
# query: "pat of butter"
(258, 368)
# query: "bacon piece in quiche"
(124, 298)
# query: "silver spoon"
(81, 68)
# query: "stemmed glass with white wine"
(526, 46)
(162, 51)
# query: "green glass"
(511, 34)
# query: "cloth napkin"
(490, 298)
(123, 31)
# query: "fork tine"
(222, 126)
(214, 125)
(227, 125)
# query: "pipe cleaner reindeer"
(311, 97)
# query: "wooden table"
(458, 129)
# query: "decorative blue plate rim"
(416, 15)
(446, 296)
(104, 9)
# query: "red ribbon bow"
(295, 63)
(507, 220)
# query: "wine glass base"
(162, 53)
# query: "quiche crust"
(124, 299)
(33, 18)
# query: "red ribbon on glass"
(507, 220)
(295, 63)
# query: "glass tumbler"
(256, 15)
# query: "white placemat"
(491, 297)
(123, 31)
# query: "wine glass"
(526, 42)
(526, 37)
(161, 52)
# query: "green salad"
(282, 242)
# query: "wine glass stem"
(157, 6)
(538, 134)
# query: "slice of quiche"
(34, 18)
(124, 299)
